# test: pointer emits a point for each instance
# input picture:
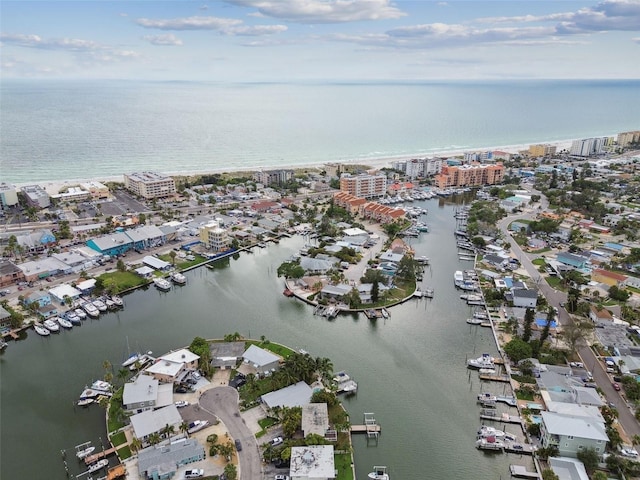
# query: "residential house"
(44, 305)
(597, 315)
(572, 434)
(10, 274)
(226, 355)
(608, 278)
(37, 241)
(64, 293)
(5, 319)
(174, 366)
(262, 360)
(312, 462)
(568, 468)
(572, 260)
(295, 395)
(154, 421)
(146, 393)
(526, 298)
(315, 419)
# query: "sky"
(319, 40)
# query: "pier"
(370, 427)
(491, 414)
(494, 377)
(97, 456)
(519, 471)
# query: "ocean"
(61, 130)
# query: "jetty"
(370, 427)
(494, 377)
(97, 456)
(518, 471)
(492, 414)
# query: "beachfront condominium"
(364, 186)
(150, 185)
(214, 237)
(588, 147)
(418, 167)
(469, 175)
(8, 195)
(273, 177)
(542, 150)
(627, 138)
(36, 196)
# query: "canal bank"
(410, 368)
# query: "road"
(554, 297)
(223, 402)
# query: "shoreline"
(53, 186)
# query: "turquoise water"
(66, 130)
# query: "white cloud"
(256, 30)
(164, 40)
(190, 23)
(324, 11)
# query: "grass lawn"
(542, 250)
(118, 439)
(267, 422)
(181, 263)
(123, 280)
(278, 349)
(342, 464)
(539, 261)
(124, 453)
(554, 282)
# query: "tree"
(230, 471)
(375, 291)
(529, 317)
(575, 333)
(173, 255)
(618, 294)
(291, 421)
(547, 326)
(135, 444)
(548, 474)
(590, 458)
(154, 438)
(517, 349)
(121, 266)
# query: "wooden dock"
(491, 414)
(97, 456)
(495, 378)
(519, 471)
(365, 428)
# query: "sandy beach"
(54, 187)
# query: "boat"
(102, 386)
(379, 473)
(64, 323)
(197, 425)
(117, 300)
(481, 315)
(73, 318)
(132, 359)
(178, 278)
(287, 293)
(100, 305)
(344, 383)
(142, 362)
(474, 321)
(489, 443)
(80, 313)
(487, 371)
(52, 326)
(162, 284)
(109, 303)
(85, 452)
(488, 432)
(83, 402)
(485, 361)
(40, 330)
(91, 309)
(486, 397)
(3, 345)
(458, 278)
(384, 312)
(94, 467)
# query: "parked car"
(196, 376)
(194, 473)
(281, 477)
(616, 387)
(276, 441)
(181, 390)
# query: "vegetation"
(116, 282)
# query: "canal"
(410, 368)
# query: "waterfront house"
(161, 462)
(608, 278)
(144, 271)
(86, 286)
(296, 395)
(526, 298)
(312, 462)
(262, 360)
(146, 393)
(313, 266)
(226, 355)
(112, 245)
(315, 419)
(336, 292)
(572, 434)
(156, 263)
(63, 292)
(154, 421)
(495, 260)
(568, 468)
(5, 319)
(9, 273)
(44, 306)
(173, 366)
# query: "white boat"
(485, 361)
(132, 359)
(73, 318)
(94, 467)
(80, 313)
(486, 397)
(101, 386)
(162, 284)
(178, 278)
(379, 473)
(52, 326)
(83, 402)
(64, 323)
(100, 305)
(85, 452)
(142, 362)
(458, 278)
(487, 371)
(481, 315)
(91, 309)
(40, 330)
(117, 300)
(344, 383)
(489, 432)
(474, 321)
(197, 425)
(109, 303)
(384, 312)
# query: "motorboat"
(474, 321)
(117, 300)
(379, 473)
(100, 305)
(384, 312)
(132, 359)
(344, 383)
(52, 326)
(162, 284)
(101, 386)
(485, 361)
(91, 309)
(64, 323)
(83, 402)
(486, 397)
(487, 371)
(85, 452)
(40, 330)
(94, 467)
(178, 278)
(80, 313)
(481, 315)
(109, 303)
(73, 318)
(142, 362)
(488, 432)
(458, 278)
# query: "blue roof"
(541, 322)
(614, 246)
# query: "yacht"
(91, 309)
(100, 305)
(109, 303)
(474, 321)
(52, 326)
(80, 313)
(485, 361)
(40, 330)
(85, 452)
(64, 323)
(94, 467)
(458, 278)
(379, 473)
(178, 278)
(117, 300)
(73, 318)
(162, 284)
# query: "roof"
(155, 262)
(259, 356)
(151, 421)
(354, 231)
(568, 468)
(64, 290)
(525, 293)
(107, 242)
(160, 456)
(3, 313)
(143, 389)
(338, 290)
(183, 355)
(144, 271)
(315, 264)
(295, 395)
(165, 367)
(565, 425)
(86, 284)
(313, 461)
(315, 419)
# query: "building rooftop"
(259, 356)
(565, 425)
(315, 419)
(295, 395)
(313, 461)
(151, 421)
(143, 389)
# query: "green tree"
(547, 326)
(375, 291)
(590, 458)
(230, 471)
(529, 317)
(121, 266)
(517, 349)
(548, 474)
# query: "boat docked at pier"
(51, 325)
(117, 300)
(178, 278)
(100, 464)
(458, 278)
(485, 361)
(486, 431)
(379, 473)
(73, 318)
(82, 315)
(344, 383)
(100, 305)
(64, 323)
(474, 321)
(85, 452)
(91, 309)
(42, 331)
(162, 284)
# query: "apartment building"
(627, 138)
(542, 150)
(364, 186)
(214, 237)
(273, 177)
(36, 196)
(150, 185)
(8, 195)
(469, 175)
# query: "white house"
(146, 393)
(525, 298)
(153, 421)
(312, 462)
(262, 360)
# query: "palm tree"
(184, 428)
(135, 444)
(167, 430)
(324, 368)
(154, 438)
(123, 375)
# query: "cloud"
(256, 30)
(190, 23)
(324, 11)
(163, 40)
(636, 39)
(87, 50)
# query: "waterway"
(410, 367)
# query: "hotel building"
(364, 186)
(150, 185)
(469, 175)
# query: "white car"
(194, 473)
(628, 452)
(276, 441)
(182, 404)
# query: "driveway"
(223, 402)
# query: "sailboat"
(132, 357)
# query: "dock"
(494, 377)
(491, 414)
(370, 427)
(511, 401)
(97, 456)
(519, 471)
